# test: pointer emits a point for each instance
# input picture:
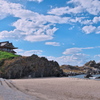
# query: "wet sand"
(60, 88)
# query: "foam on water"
(82, 76)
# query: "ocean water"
(82, 76)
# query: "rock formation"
(92, 67)
(72, 70)
(32, 66)
(88, 68)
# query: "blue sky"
(67, 31)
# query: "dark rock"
(32, 66)
(69, 67)
(90, 63)
(97, 77)
(88, 75)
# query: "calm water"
(82, 76)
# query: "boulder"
(88, 76)
(97, 77)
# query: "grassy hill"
(7, 55)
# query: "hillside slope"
(32, 66)
(7, 55)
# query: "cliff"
(32, 66)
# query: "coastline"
(63, 88)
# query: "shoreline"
(63, 88)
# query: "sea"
(82, 76)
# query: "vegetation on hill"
(7, 55)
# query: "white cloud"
(73, 56)
(15, 34)
(75, 50)
(72, 51)
(71, 28)
(75, 10)
(35, 38)
(36, 0)
(75, 59)
(98, 30)
(97, 58)
(65, 10)
(30, 26)
(56, 19)
(89, 29)
(53, 43)
(59, 11)
(7, 8)
(97, 55)
(86, 22)
(36, 27)
(76, 19)
(28, 53)
(80, 8)
(51, 31)
(90, 6)
(70, 57)
(96, 19)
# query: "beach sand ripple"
(60, 88)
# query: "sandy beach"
(60, 88)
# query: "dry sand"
(60, 88)
(9, 92)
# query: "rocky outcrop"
(69, 67)
(88, 76)
(90, 63)
(97, 77)
(88, 68)
(32, 66)
(72, 70)
(92, 67)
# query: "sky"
(66, 31)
